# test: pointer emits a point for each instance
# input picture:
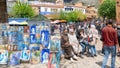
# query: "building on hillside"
(51, 8)
(45, 8)
(91, 12)
(78, 6)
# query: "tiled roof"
(48, 5)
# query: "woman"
(73, 41)
(93, 35)
(66, 46)
(81, 38)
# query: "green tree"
(63, 15)
(72, 16)
(22, 10)
(108, 9)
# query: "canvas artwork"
(20, 33)
(3, 56)
(25, 55)
(44, 39)
(32, 29)
(32, 38)
(15, 58)
(45, 55)
(22, 46)
(13, 37)
(26, 39)
(33, 34)
(55, 43)
(35, 56)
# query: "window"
(54, 10)
(45, 9)
(68, 9)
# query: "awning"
(59, 21)
(18, 21)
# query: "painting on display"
(15, 58)
(45, 55)
(55, 43)
(35, 56)
(45, 38)
(3, 56)
(32, 38)
(25, 55)
(32, 29)
(33, 34)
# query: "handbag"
(90, 39)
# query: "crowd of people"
(81, 39)
(77, 40)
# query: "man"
(109, 38)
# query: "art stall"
(39, 42)
(18, 44)
(55, 47)
(33, 43)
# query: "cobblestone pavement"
(86, 62)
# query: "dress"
(74, 42)
(66, 46)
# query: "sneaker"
(95, 55)
(75, 57)
(118, 54)
(71, 59)
(80, 55)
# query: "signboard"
(118, 11)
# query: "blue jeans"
(107, 51)
(83, 47)
(87, 45)
(93, 50)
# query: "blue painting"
(44, 39)
(32, 38)
(45, 55)
(25, 55)
(33, 30)
(15, 58)
(55, 43)
(3, 56)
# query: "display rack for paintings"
(55, 50)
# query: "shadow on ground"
(100, 52)
(100, 64)
(3, 66)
